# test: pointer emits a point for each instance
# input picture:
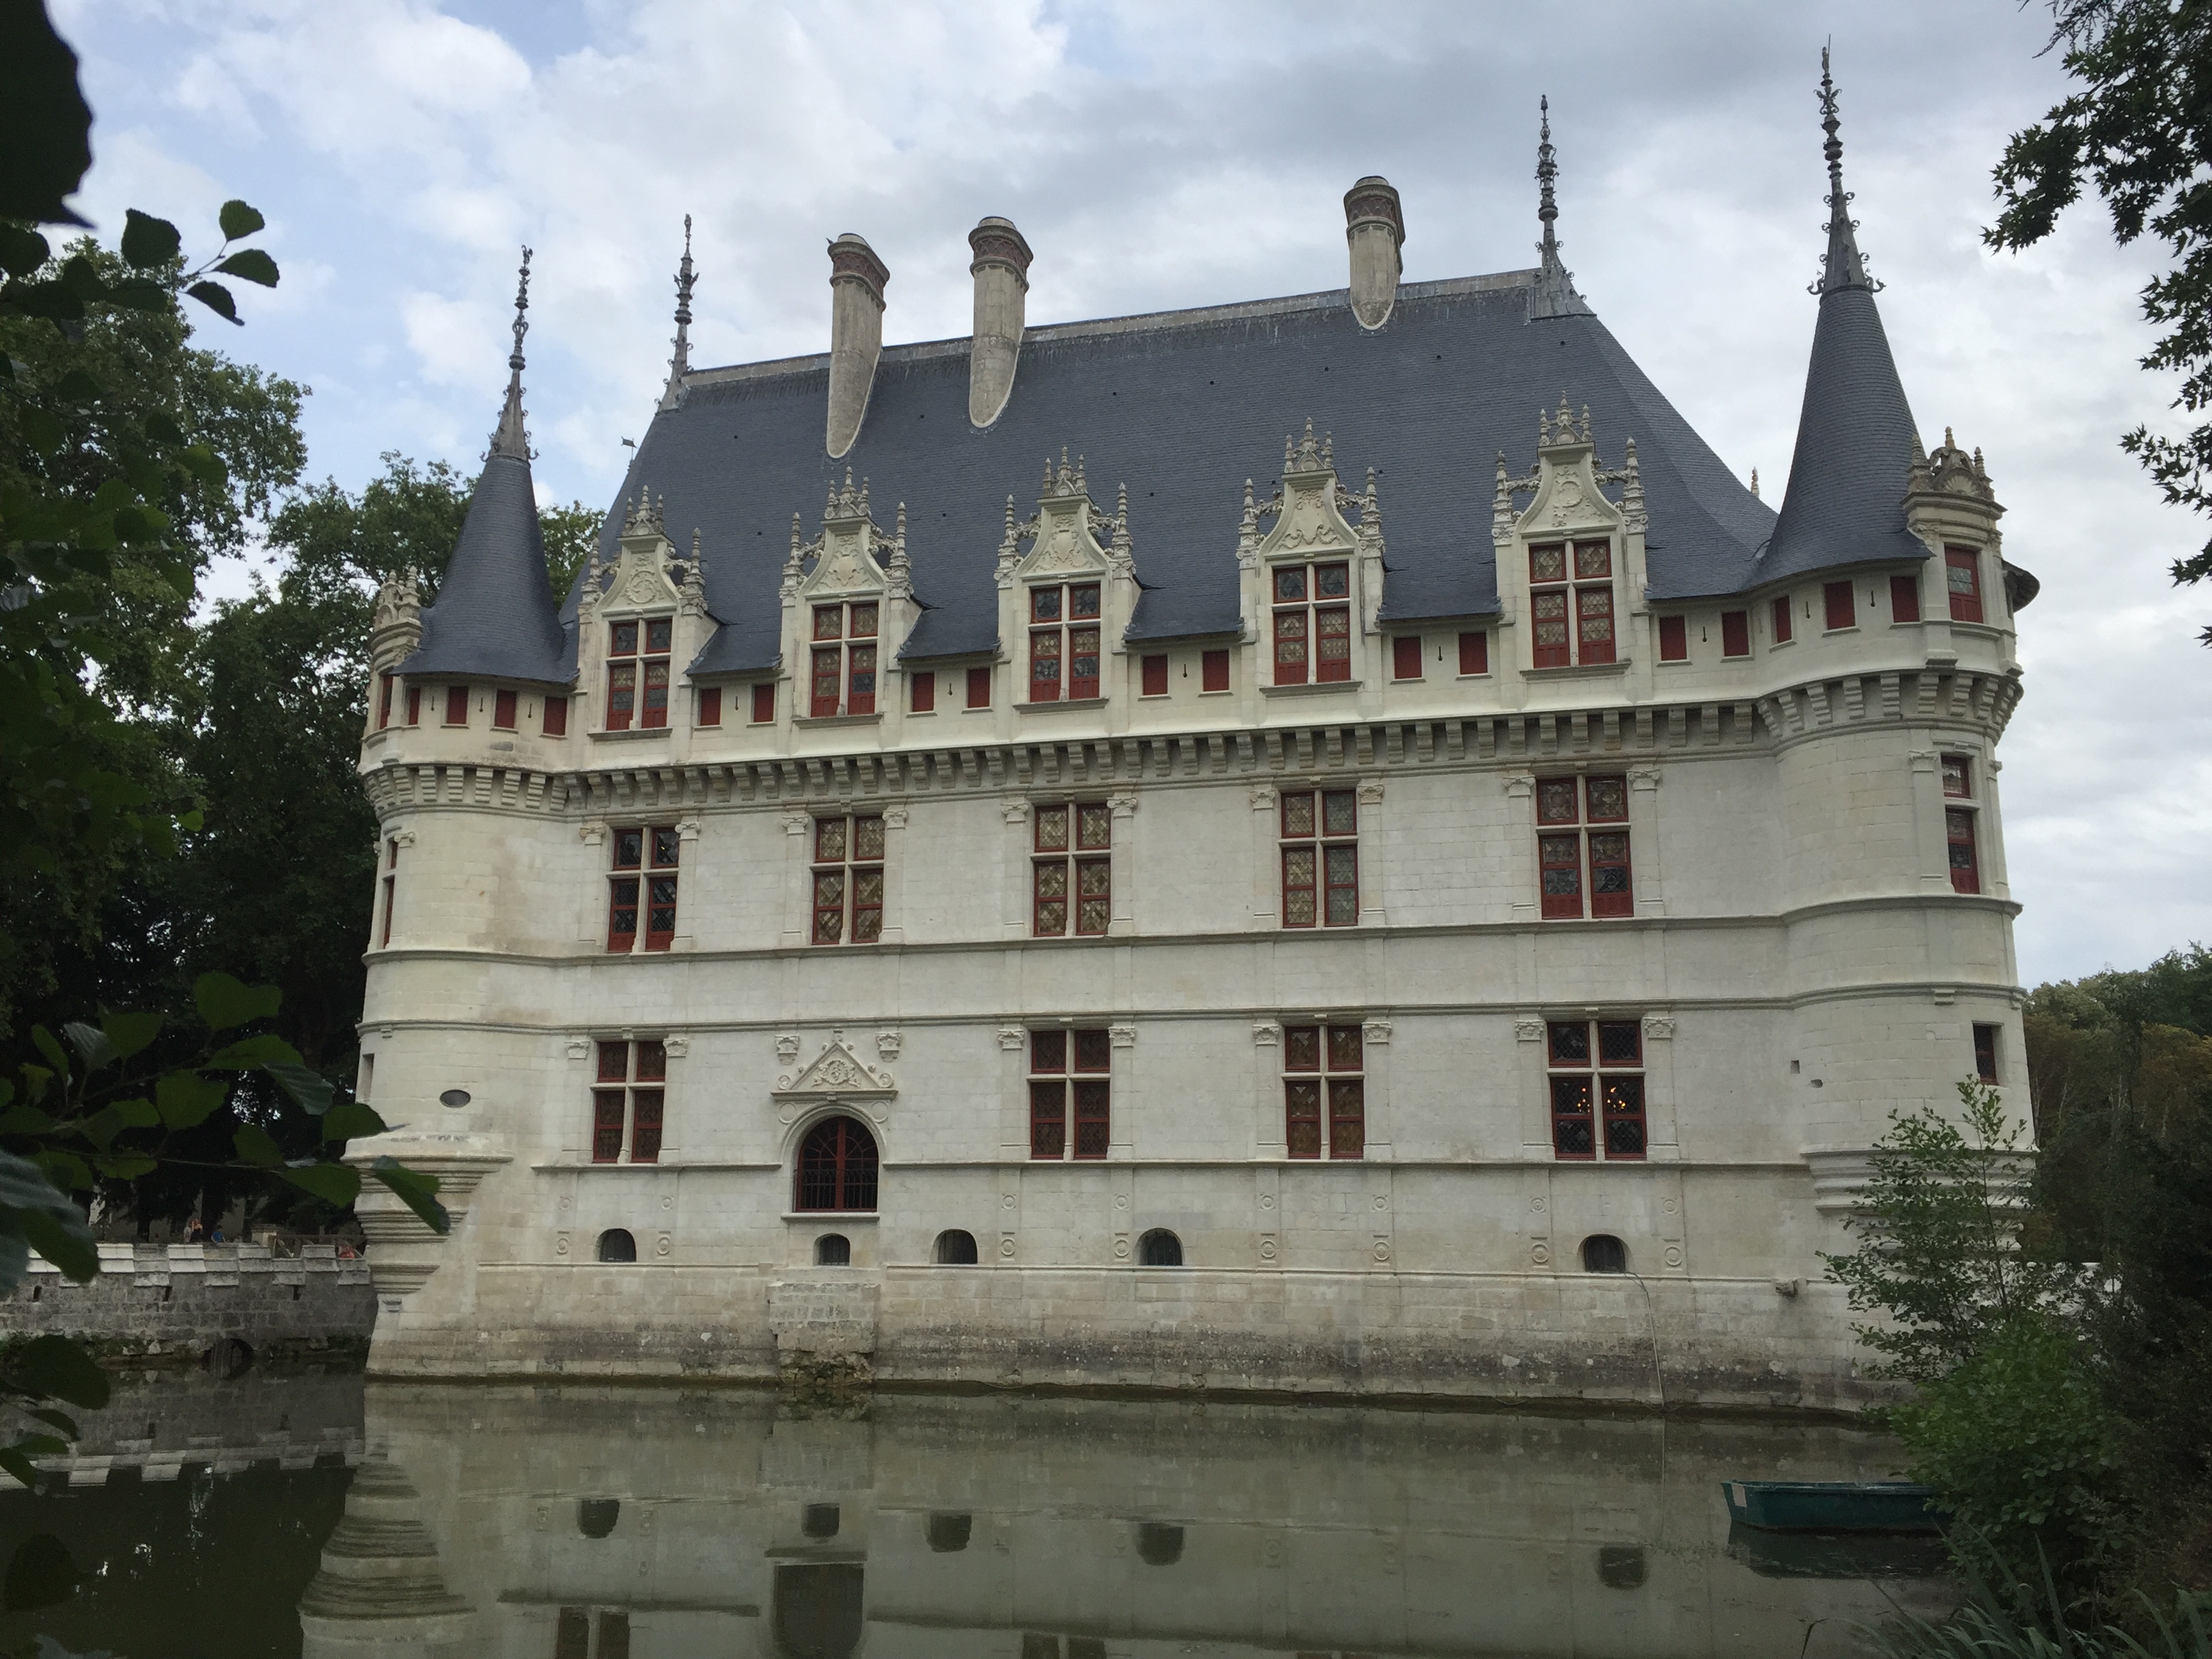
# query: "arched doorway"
(836, 1167)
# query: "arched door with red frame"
(836, 1167)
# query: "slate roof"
(494, 617)
(1184, 406)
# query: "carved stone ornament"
(1307, 520)
(837, 1073)
(677, 1047)
(847, 557)
(1265, 1034)
(580, 1047)
(1123, 805)
(1370, 791)
(593, 834)
(1011, 1037)
(1658, 1028)
(1263, 797)
(1016, 811)
(796, 822)
(1520, 785)
(888, 1044)
(1122, 1036)
(1065, 529)
(786, 1048)
(1376, 1032)
(895, 817)
(1528, 1030)
(1567, 496)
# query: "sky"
(1158, 155)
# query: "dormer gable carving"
(1568, 485)
(1313, 526)
(1573, 554)
(851, 558)
(838, 1072)
(1068, 535)
(647, 578)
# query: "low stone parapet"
(161, 1303)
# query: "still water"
(315, 1516)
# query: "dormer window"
(1962, 575)
(1312, 604)
(1063, 641)
(844, 677)
(630, 668)
(1571, 602)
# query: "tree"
(2139, 127)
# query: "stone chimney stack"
(1002, 285)
(856, 335)
(1376, 228)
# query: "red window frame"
(644, 858)
(1583, 847)
(1735, 633)
(1905, 598)
(1475, 652)
(502, 711)
(1571, 602)
(1964, 856)
(1782, 635)
(1593, 1071)
(1841, 605)
(922, 691)
(1312, 628)
(1320, 836)
(979, 688)
(628, 1101)
(847, 880)
(1324, 1067)
(638, 672)
(1962, 580)
(764, 703)
(1153, 681)
(838, 1169)
(1071, 1083)
(1065, 623)
(384, 699)
(710, 705)
(1405, 657)
(391, 888)
(556, 717)
(1213, 671)
(1071, 873)
(1958, 776)
(457, 705)
(414, 705)
(844, 658)
(1673, 639)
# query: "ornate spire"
(1554, 293)
(680, 364)
(1842, 266)
(509, 438)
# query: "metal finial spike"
(521, 310)
(510, 437)
(1842, 266)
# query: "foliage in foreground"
(1987, 1628)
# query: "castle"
(1392, 924)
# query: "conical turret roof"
(1845, 503)
(495, 617)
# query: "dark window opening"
(1160, 1248)
(1604, 1253)
(616, 1244)
(815, 1612)
(1621, 1566)
(833, 1250)
(956, 1248)
(819, 1521)
(596, 1516)
(948, 1535)
(836, 1167)
(1985, 1053)
(1158, 1544)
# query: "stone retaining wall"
(160, 1300)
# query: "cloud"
(1159, 154)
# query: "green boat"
(1831, 1505)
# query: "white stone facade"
(1791, 957)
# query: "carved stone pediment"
(1568, 496)
(646, 579)
(838, 1072)
(1065, 534)
(1309, 520)
(849, 558)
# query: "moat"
(316, 1515)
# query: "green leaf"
(101, 1127)
(129, 1033)
(25, 1120)
(304, 1083)
(65, 1172)
(253, 264)
(50, 1050)
(216, 298)
(337, 1184)
(185, 1099)
(19, 1466)
(251, 1053)
(258, 1147)
(54, 1367)
(139, 297)
(39, 1573)
(22, 250)
(148, 241)
(351, 1121)
(239, 219)
(61, 1420)
(126, 1166)
(41, 1445)
(224, 1002)
(90, 1043)
(418, 1192)
(35, 1079)
(33, 1210)
(65, 1242)
(49, 124)
(137, 1113)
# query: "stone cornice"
(1978, 700)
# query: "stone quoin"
(1335, 912)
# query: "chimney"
(1001, 273)
(856, 335)
(1376, 228)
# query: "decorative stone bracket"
(403, 1251)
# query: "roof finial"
(1842, 266)
(1554, 293)
(509, 438)
(680, 364)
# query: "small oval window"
(454, 1098)
(1604, 1253)
(833, 1250)
(956, 1248)
(617, 1245)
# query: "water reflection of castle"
(604, 1524)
